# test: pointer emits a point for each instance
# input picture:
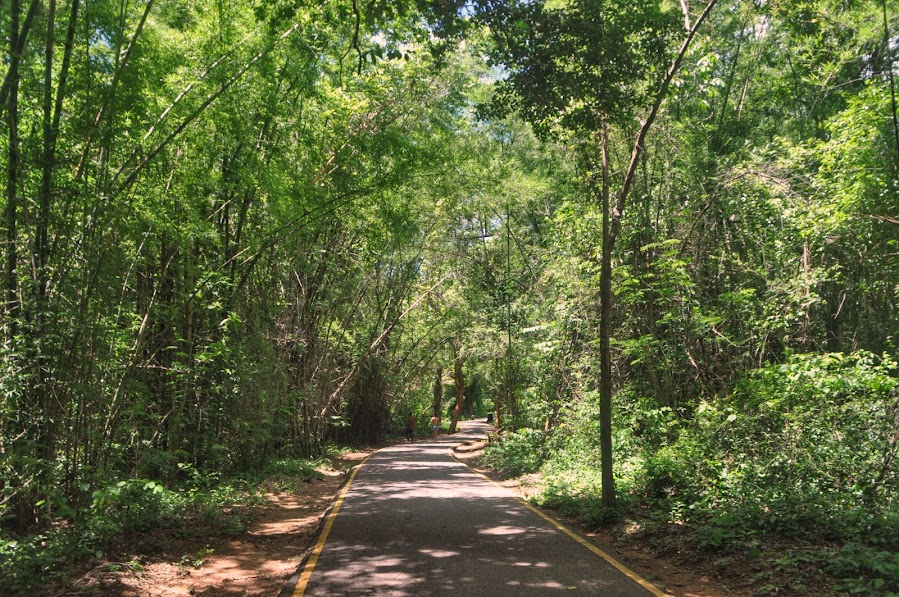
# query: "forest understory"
(252, 549)
(249, 548)
(676, 557)
(658, 240)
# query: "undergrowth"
(799, 455)
(200, 504)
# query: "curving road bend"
(414, 521)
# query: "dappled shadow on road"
(415, 522)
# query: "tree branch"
(107, 100)
(644, 129)
(21, 42)
(193, 116)
(350, 378)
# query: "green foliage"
(25, 563)
(289, 474)
(203, 506)
(306, 470)
(801, 449)
(578, 64)
(865, 571)
(516, 453)
(572, 500)
(576, 491)
(268, 222)
(243, 208)
(132, 505)
(821, 425)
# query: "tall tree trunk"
(611, 228)
(510, 393)
(47, 158)
(460, 384)
(23, 505)
(12, 170)
(438, 391)
(39, 351)
(17, 47)
(888, 50)
(497, 401)
(605, 326)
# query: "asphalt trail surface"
(417, 522)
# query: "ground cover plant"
(143, 515)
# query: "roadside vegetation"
(140, 516)
(657, 240)
(788, 477)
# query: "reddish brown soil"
(256, 562)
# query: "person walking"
(435, 426)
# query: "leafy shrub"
(293, 467)
(23, 562)
(863, 570)
(576, 493)
(803, 443)
(799, 449)
(516, 453)
(130, 506)
(289, 474)
(667, 475)
(803, 450)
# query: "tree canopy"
(245, 230)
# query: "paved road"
(416, 522)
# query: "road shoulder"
(666, 573)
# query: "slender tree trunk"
(438, 391)
(49, 411)
(889, 54)
(605, 327)
(307, 430)
(12, 170)
(17, 46)
(23, 503)
(611, 228)
(50, 122)
(460, 384)
(510, 393)
(497, 401)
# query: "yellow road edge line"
(300, 587)
(615, 563)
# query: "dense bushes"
(201, 504)
(803, 448)
(804, 451)
(517, 453)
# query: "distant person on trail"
(410, 427)
(435, 426)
